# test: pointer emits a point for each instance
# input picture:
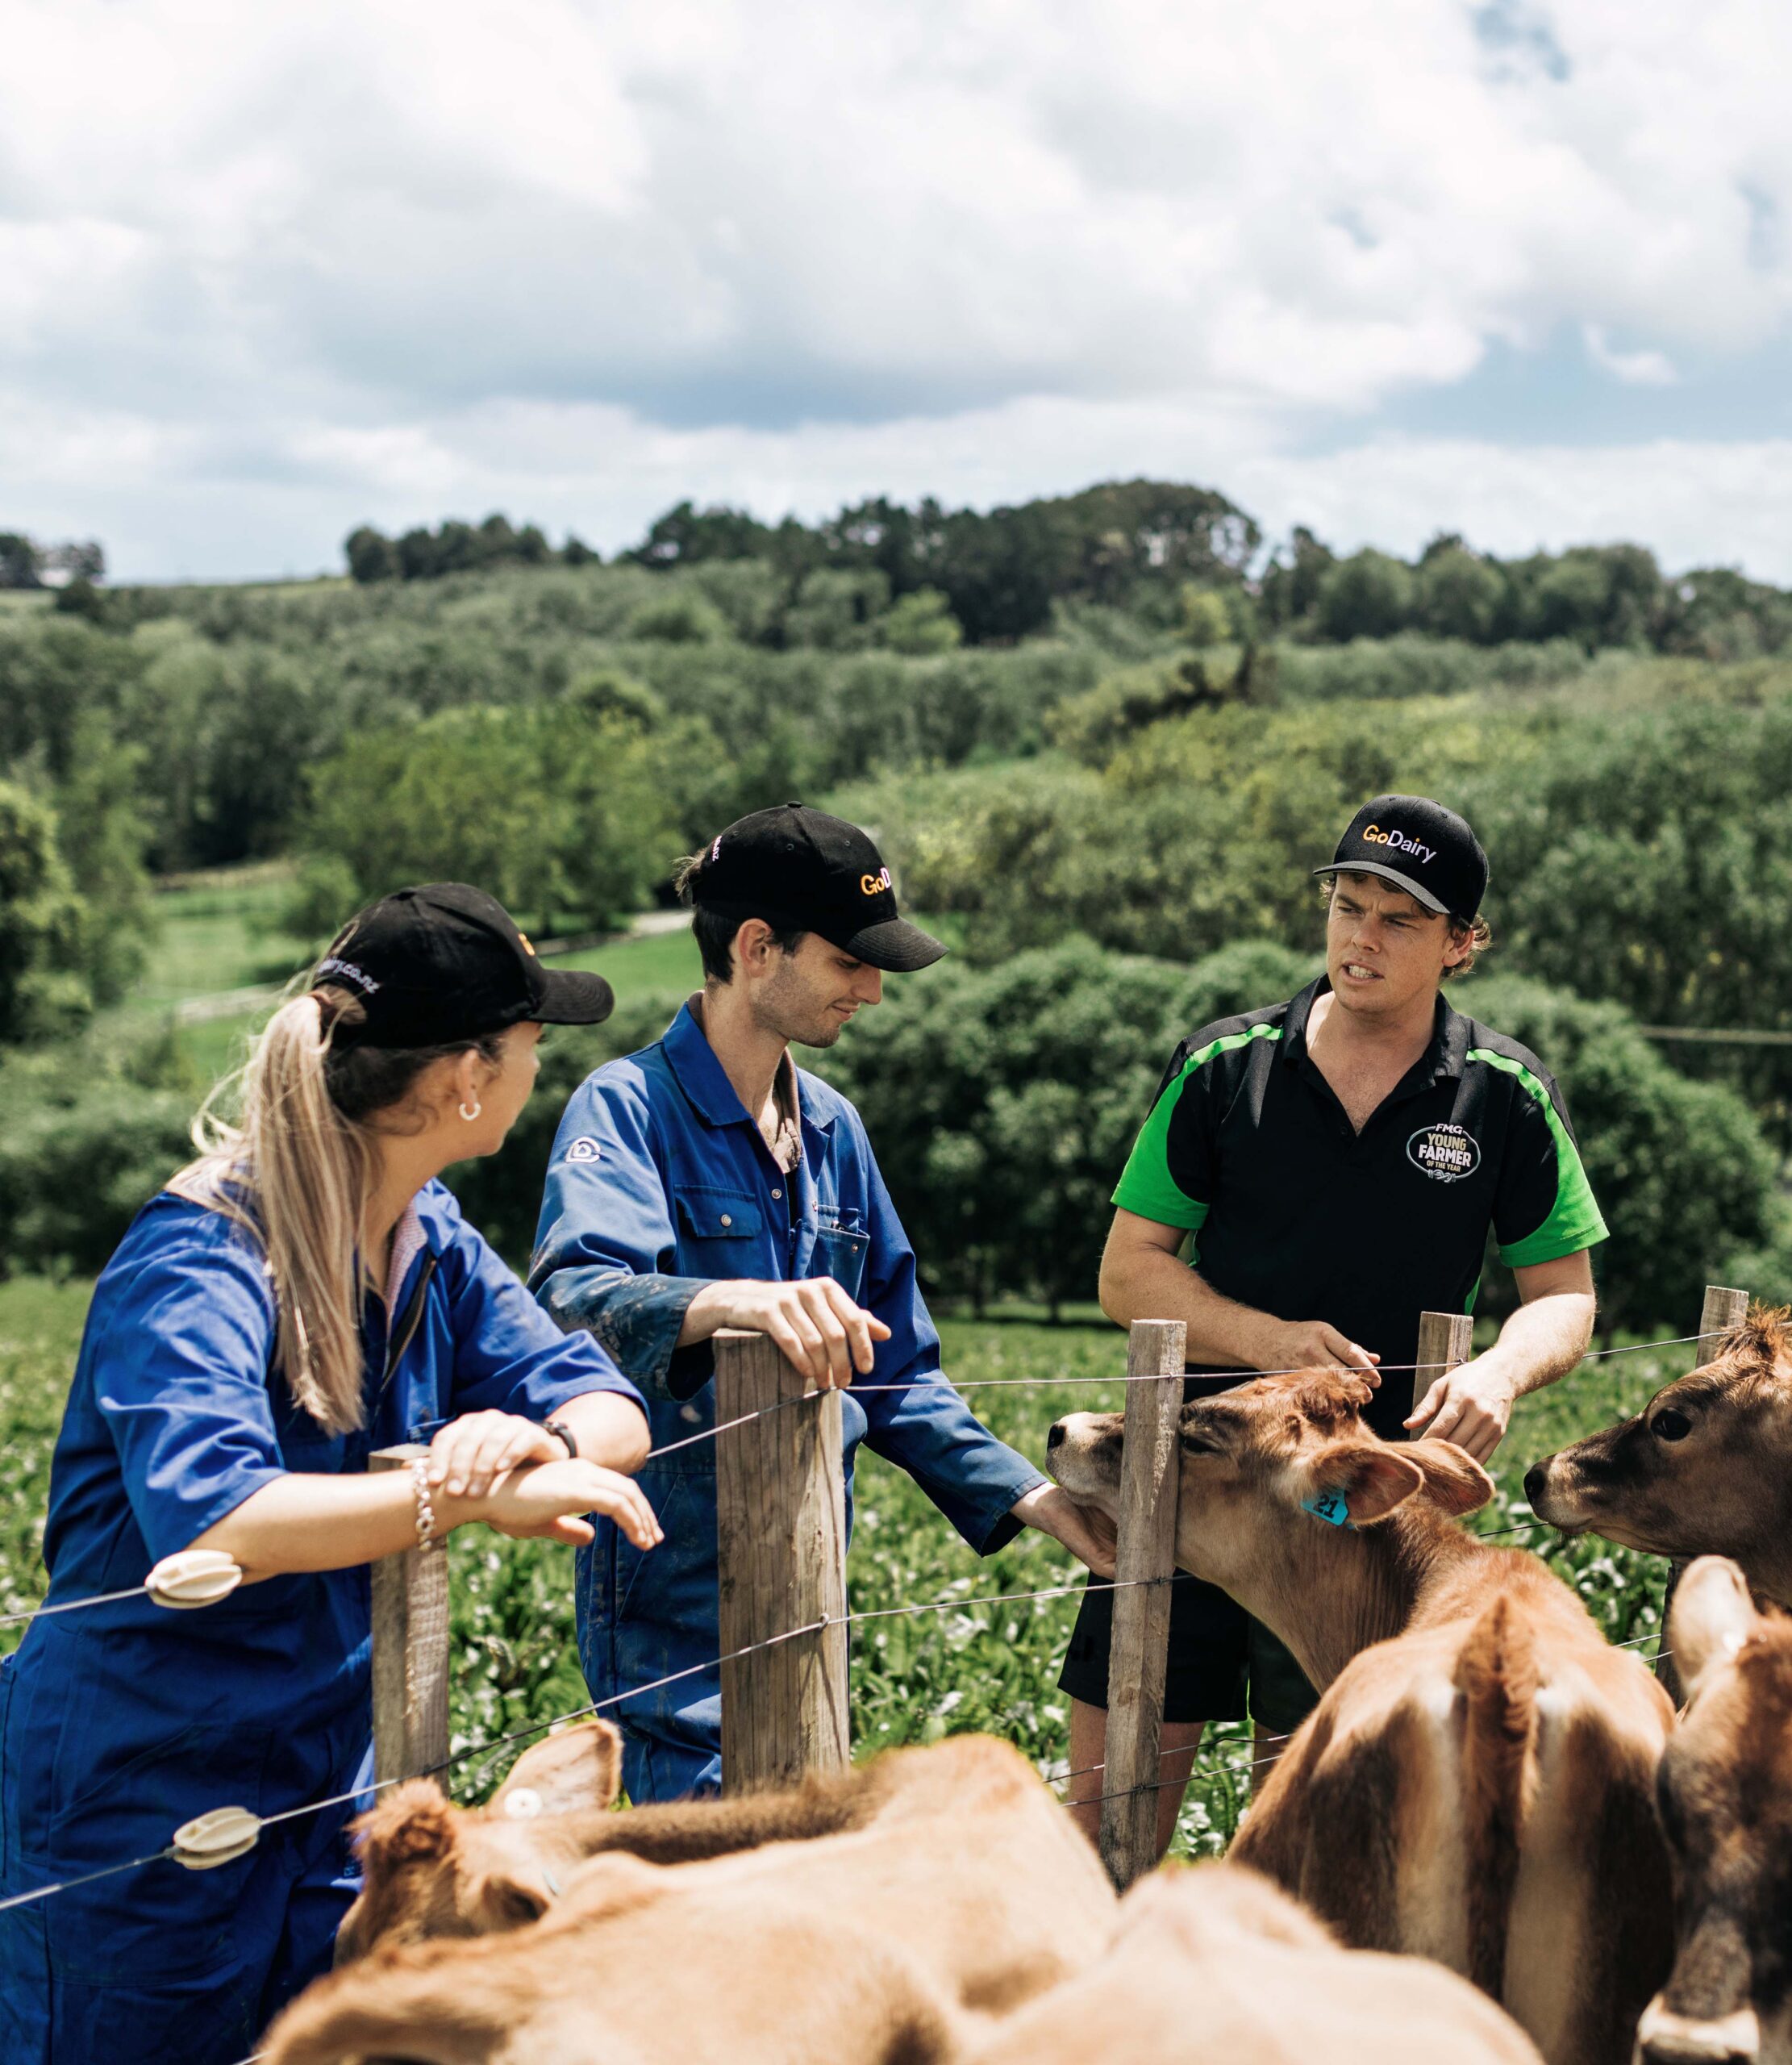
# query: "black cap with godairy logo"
(801, 870)
(1420, 846)
(444, 962)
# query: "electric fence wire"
(969, 1383)
(1150, 1377)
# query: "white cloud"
(294, 265)
(1643, 368)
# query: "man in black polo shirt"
(1334, 1164)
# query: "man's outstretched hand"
(1086, 1532)
(1470, 1405)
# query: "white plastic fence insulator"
(215, 1838)
(196, 1577)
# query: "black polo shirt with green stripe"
(1294, 1212)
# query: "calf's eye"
(1668, 1425)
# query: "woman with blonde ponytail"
(304, 1292)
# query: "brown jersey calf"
(1214, 1966)
(431, 1869)
(1726, 1798)
(1476, 1784)
(882, 1945)
(1704, 1468)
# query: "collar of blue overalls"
(705, 1082)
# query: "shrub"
(1680, 1168)
(94, 1128)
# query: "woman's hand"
(470, 1454)
(547, 1502)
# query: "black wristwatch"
(562, 1433)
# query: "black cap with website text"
(1420, 846)
(444, 962)
(801, 870)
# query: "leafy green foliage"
(1680, 1168)
(44, 989)
(93, 1129)
(560, 816)
(1648, 859)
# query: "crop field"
(967, 1667)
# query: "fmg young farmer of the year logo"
(1448, 1152)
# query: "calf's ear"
(413, 1825)
(1454, 1481)
(1711, 1618)
(1372, 1480)
(576, 1768)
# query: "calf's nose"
(1663, 2038)
(1534, 1479)
(1055, 1439)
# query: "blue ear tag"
(1329, 1506)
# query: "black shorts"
(1223, 1664)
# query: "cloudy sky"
(1385, 267)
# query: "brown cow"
(1214, 1966)
(1478, 1790)
(430, 1869)
(873, 1945)
(1726, 1798)
(1705, 1468)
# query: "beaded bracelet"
(426, 1536)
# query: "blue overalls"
(119, 1723)
(659, 1182)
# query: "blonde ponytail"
(296, 1172)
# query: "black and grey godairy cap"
(1420, 846)
(445, 961)
(802, 870)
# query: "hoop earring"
(469, 1116)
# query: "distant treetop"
(1151, 548)
(24, 563)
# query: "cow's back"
(1479, 1792)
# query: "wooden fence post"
(1723, 1308)
(781, 1538)
(411, 1649)
(1444, 1340)
(1139, 1654)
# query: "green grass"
(657, 963)
(217, 934)
(915, 1677)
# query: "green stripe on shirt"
(1574, 1221)
(1146, 1186)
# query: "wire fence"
(481, 1755)
(1148, 1377)
(971, 1383)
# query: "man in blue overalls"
(706, 1182)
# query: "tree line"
(1135, 545)
(27, 563)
